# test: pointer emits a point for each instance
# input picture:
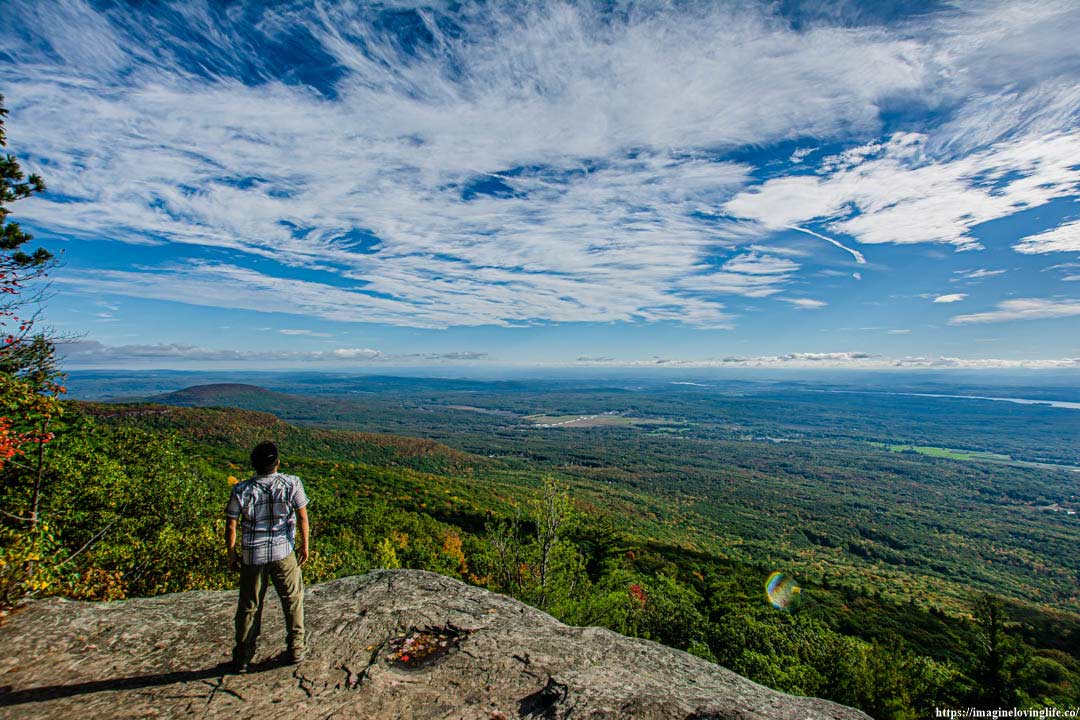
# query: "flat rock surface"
(499, 659)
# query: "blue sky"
(340, 184)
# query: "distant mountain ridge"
(389, 412)
(223, 395)
(240, 429)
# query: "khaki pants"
(289, 584)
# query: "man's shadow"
(10, 696)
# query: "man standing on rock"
(269, 506)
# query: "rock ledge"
(496, 659)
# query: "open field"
(606, 419)
(972, 455)
(944, 452)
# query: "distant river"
(1021, 401)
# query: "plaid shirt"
(266, 504)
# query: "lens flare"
(781, 591)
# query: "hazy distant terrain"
(904, 508)
(924, 497)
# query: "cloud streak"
(1022, 309)
(859, 257)
(1064, 238)
(806, 303)
(91, 353)
(850, 360)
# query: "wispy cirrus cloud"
(1070, 269)
(897, 192)
(950, 298)
(1009, 72)
(565, 152)
(976, 274)
(474, 164)
(1022, 309)
(392, 300)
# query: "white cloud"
(1065, 266)
(897, 192)
(1022, 309)
(859, 257)
(305, 333)
(977, 274)
(356, 353)
(597, 132)
(1006, 73)
(91, 353)
(1063, 238)
(1013, 70)
(805, 303)
(405, 300)
(87, 353)
(751, 275)
(847, 360)
(951, 298)
(783, 250)
(755, 264)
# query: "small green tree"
(504, 538)
(551, 513)
(999, 657)
(530, 556)
(386, 555)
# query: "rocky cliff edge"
(390, 644)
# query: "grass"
(949, 453)
(972, 455)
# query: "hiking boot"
(241, 658)
(296, 656)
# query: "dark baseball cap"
(264, 457)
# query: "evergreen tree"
(999, 657)
(29, 379)
(30, 386)
(18, 268)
